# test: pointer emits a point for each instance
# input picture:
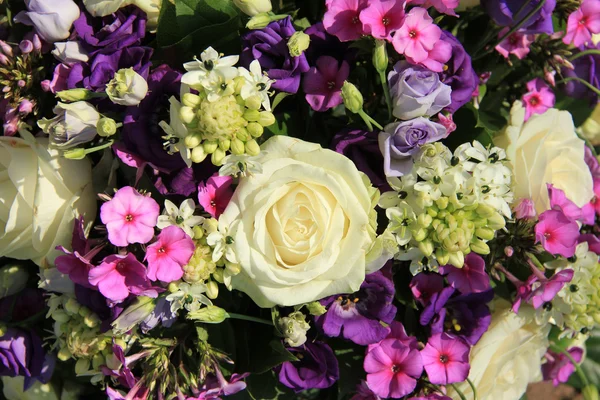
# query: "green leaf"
(580, 109)
(350, 360)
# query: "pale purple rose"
(400, 140)
(52, 19)
(417, 91)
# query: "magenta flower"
(559, 201)
(392, 368)
(342, 19)
(442, 6)
(516, 43)
(77, 264)
(129, 217)
(447, 122)
(214, 195)
(446, 359)
(557, 233)
(323, 83)
(167, 256)
(437, 58)
(382, 17)
(558, 368)
(471, 278)
(538, 99)
(549, 288)
(117, 276)
(582, 23)
(417, 36)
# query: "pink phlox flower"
(215, 194)
(446, 359)
(167, 256)
(364, 393)
(443, 6)
(582, 23)
(524, 292)
(323, 83)
(538, 99)
(117, 276)
(525, 209)
(559, 201)
(545, 290)
(130, 217)
(592, 240)
(471, 278)
(595, 202)
(382, 17)
(447, 122)
(437, 58)
(558, 367)
(516, 43)
(417, 36)
(557, 233)
(342, 19)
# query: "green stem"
(366, 117)
(584, 53)
(367, 120)
(249, 318)
(578, 369)
(513, 29)
(386, 92)
(472, 388)
(462, 396)
(582, 81)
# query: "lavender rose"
(417, 91)
(269, 47)
(400, 140)
(508, 12)
(459, 75)
(52, 19)
(317, 368)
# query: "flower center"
(209, 65)
(261, 86)
(548, 306)
(162, 250)
(395, 369)
(346, 302)
(179, 220)
(534, 101)
(213, 203)
(413, 34)
(331, 85)
(513, 39)
(444, 358)
(385, 21)
(129, 218)
(355, 19)
(121, 266)
(573, 288)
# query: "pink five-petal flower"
(471, 278)
(558, 367)
(538, 99)
(557, 233)
(392, 368)
(437, 58)
(550, 287)
(382, 17)
(323, 83)
(417, 36)
(559, 201)
(443, 6)
(582, 23)
(342, 19)
(596, 200)
(516, 43)
(446, 359)
(117, 276)
(129, 217)
(214, 195)
(167, 256)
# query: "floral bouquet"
(318, 199)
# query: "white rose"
(253, 7)
(543, 150)
(74, 124)
(302, 228)
(127, 88)
(70, 52)
(41, 194)
(152, 10)
(102, 8)
(509, 355)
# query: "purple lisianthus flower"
(322, 43)
(362, 148)
(459, 74)
(509, 12)
(558, 368)
(587, 68)
(357, 316)
(471, 278)
(316, 368)
(21, 354)
(400, 140)
(417, 91)
(269, 47)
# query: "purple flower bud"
(37, 43)
(21, 83)
(509, 251)
(46, 85)
(4, 60)
(25, 107)
(26, 46)
(11, 127)
(6, 48)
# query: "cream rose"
(509, 355)
(546, 149)
(40, 195)
(302, 228)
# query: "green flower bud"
(60, 316)
(496, 221)
(198, 231)
(457, 259)
(316, 308)
(192, 140)
(209, 315)
(198, 154)
(217, 157)
(243, 135)
(218, 275)
(127, 88)
(420, 234)
(225, 144)
(72, 95)
(442, 256)
(13, 278)
(485, 211)
(353, 99)
(141, 307)
(253, 103)
(210, 147)
(252, 115)
(97, 361)
(72, 306)
(442, 203)
(255, 129)
(106, 127)
(298, 43)
(485, 233)
(266, 118)
(63, 354)
(187, 114)
(380, 56)
(190, 100)
(480, 247)
(75, 154)
(424, 220)
(261, 20)
(252, 148)
(212, 289)
(426, 247)
(237, 146)
(82, 366)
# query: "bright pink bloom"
(443, 6)
(117, 276)
(342, 19)
(129, 217)
(214, 195)
(592, 240)
(558, 368)
(392, 368)
(417, 36)
(448, 122)
(323, 83)
(582, 23)
(382, 17)
(446, 359)
(524, 292)
(517, 43)
(525, 209)
(550, 287)
(596, 200)
(471, 278)
(167, 256)
(557, 233)
(558, 201)
(538, 99)
(437, 57)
